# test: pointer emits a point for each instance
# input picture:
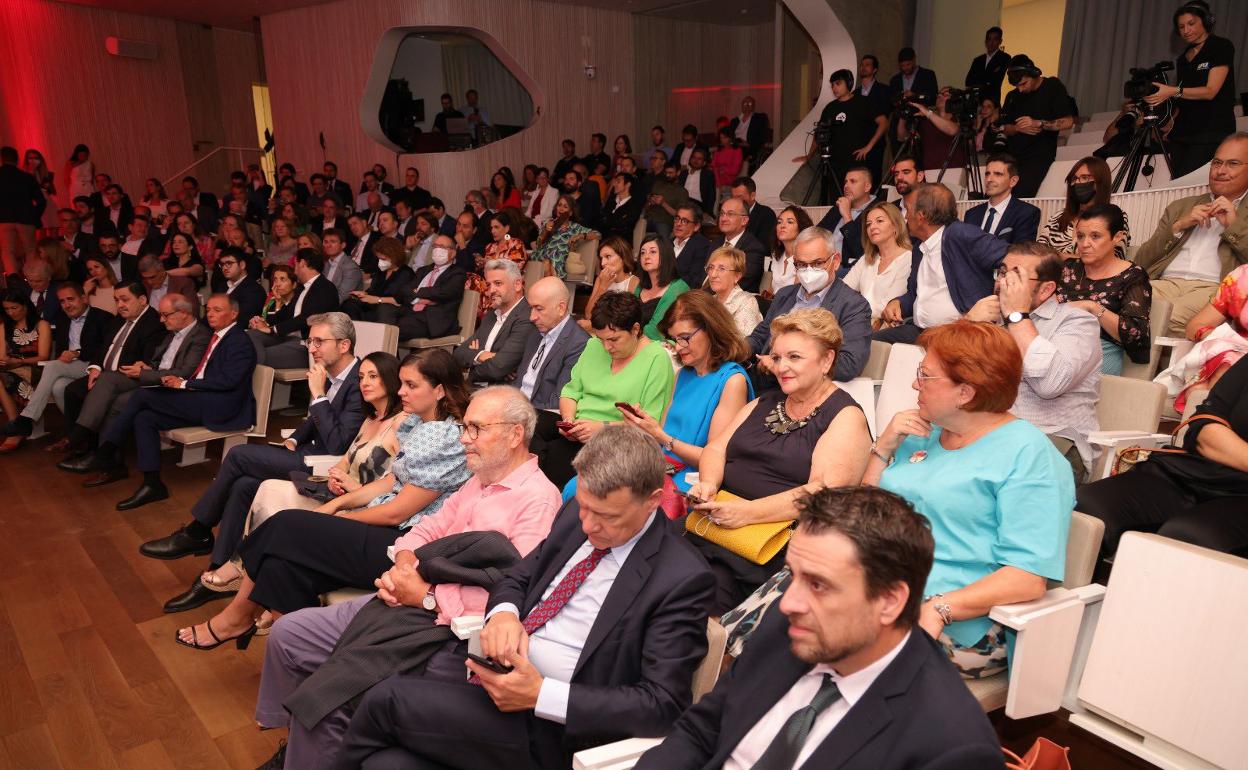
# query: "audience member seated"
(42, 289)
(844, 219)
(492, 354)
(622, 209)
(297, 555)
(1200, 239)
(733, 219)
(430, 306)
(560, 235)
(1011, 219)
(806, 435)
(711, 387)
(28, 339)
(280, 338)
(884, 270)
(659, 285)
(1059, 344)
(762, 223)
(54, 252)
(312, 242)
(726, 161)
(1033, 114)
(1220, 332)
(816, 263)
(550, 354)
(723, 273)
(1088, 184)
(791, 221)
(159, 282)
(217, 395)
(691, 248)
(139, 241)
(662, 192)
(184, 259)
(99, 283)
(389, 290)
(907, 179)
(951, 268)
(619, 365)
(340, 269)
(364, 242)
(1112, 289)
(283, 288)
(697, 179)
(810, 691)
(243, 288)
(568, 687)
(1198, 496)
(617, 271)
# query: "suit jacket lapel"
(571, 540)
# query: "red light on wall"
(712, 89)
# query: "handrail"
(215, 150)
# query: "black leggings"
(1145, 500)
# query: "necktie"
(786, 747)
(537, 204)
(114, 352)
(550, 606)
(992, 213)
(212, 343)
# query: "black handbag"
(1199, 476)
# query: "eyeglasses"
(167, 316)
(682, 340)
(717, 269)
(818, 263)
(227, 262)
(473, 430)
(316, 342)
(1083, 178)
(682, 220)
(1003, 271)
(1231, 165)
(923, 376)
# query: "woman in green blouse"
(659, 285)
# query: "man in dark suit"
(854, 682)
(762, 224)
(280, 341)
(336, 186)
(203, 200)
(844, 219)
(816, 263)
(335, 415)
(142, 239)
(240, 286)
(683, 152)
(1009, 218)
(39, 286)
(988, 69)
(431, 307)
(160, 284)
(733, 220)
(90, 402)
(691, 246)
(445, 222)
(912, 81)
(21, 209)
(416, 196)
(365, 240)
(331, 217)
(217, 395)
(756, 130)
(698, 180)
(493, 352)
(286, 174)
(549, 355)
(125, 266)
(877, 95)
(115, 213)
(609, 654)
(965, 256)
(623, 209)
(470, 240)
(588, 204)
(80, 244)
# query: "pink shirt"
(522, 507)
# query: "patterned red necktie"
(551, 605)
(212, 343)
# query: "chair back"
(262, 391)
(1083, 547)
(705, 676)
(372, 337)
(1129, 404)
(587, 250)
(862, 389)
(897, 391)
(639, 232)
(878, 360)
(534, 271)
(1158, 324)
(468, 307)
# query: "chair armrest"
(1171, 342)
(620, 755)
(1117, 438)
(466, 625)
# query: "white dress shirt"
(743, 126)
(733, 240)
(1198, 260)
(131, 246)
(852, 688)
(999, 208)
(500, 318)
(556, 647)
(119, 341)
(303, 294)
(879, 288)
(693, 184)
(529, 380)
(175, 344)
(335, 383)
(933, 305)
(783, 273)
(357, 253)
(156, 295)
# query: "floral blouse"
(1128, 294)
(430, 456)
(555, 249)
(1063, 241)
(512, 249)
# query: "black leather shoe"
(147, 493)
(176, 546)
(108, 476)
(86, 463)
(196, 596)
(277, 761)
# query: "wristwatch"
(429, 602)
(1015, 317)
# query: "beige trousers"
(1186, 296)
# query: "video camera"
(824, 134)
(1142, 82)
(963, 104)
(906, 111)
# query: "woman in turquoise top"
(659, 285)
(296, 555)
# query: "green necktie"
(785, 748)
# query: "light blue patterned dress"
(430, 456)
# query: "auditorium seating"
(468, 308)
(194, 440)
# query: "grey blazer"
(345, 275)
(556, 368)
(185, 361)
(508, 347)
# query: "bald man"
(549, 355)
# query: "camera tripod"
(1144, 146)
(825, 177)
(965, 138)
(912, 147)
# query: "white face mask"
(813, 279)
(441, 256)
(383, 265)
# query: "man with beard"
(492, 354)
(907, 179)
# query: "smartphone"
(564, 425)
(491, 664)
(624, 406)
(691, 501)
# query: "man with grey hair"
(158, 282)
(952, 268)
(816, 261)
(733, 220)
(507, 494)
(549, 355)
(431, 309)
(602, 627)
(494, 351)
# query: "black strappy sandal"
(241, 641)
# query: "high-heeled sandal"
(264, 623)
(212, 584)
(241, 641)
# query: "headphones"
(1200, 10)
(1024, 68)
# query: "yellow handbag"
(757, 543)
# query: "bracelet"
(668, 445)
(1104, 310)
(887, 460)
(942, 609)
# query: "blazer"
(545, 209)
(50, 309)
(988, 75)
(969, 256)
(706, 187)
(185, 360)
(446, 226)
(620, 220)
(148, 332)
(322, 298)
(97, 334)
(635, 673)
(251, 297)
(318, 225)
(224, 387)
(762, 223)
(755, 257)
(852, 312)
(21, 199)
(679, 150)
(924, 83)
(104, 222)
(368, 259)
(346, 275)
(556, 368)
(508, 346)
(447, 292)
(589, 206)
(1019, 222)
(332, 425)
(1156, 254)
(691, 263)
(343, 191)
(756, 135)
(916, 714)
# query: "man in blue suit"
(952, 267)
(1009, 218)
(549, 355)
(218, 396)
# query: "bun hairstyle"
(1200, 9)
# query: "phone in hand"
(692, 500)
(564, 425)
(491, 664)
(624, 406)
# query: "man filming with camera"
(1034, 112)
(848, 130)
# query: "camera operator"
(1035, 111)
(937, 131)
(1121, 131)
(1205, 92)
(852, 126)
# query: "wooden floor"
(90, 676)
